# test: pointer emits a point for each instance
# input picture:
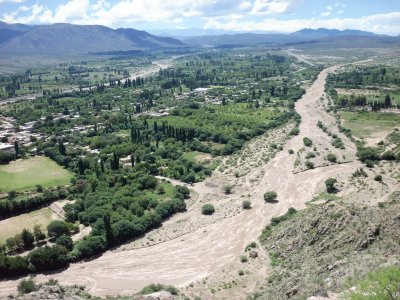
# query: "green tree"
(65, 241)
(38, 233)
(330, 185)
(27, 238)
(57, 228)
(110, 238)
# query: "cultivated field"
(370, 126)
(12, 226)
(25, 174)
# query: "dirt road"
(191, 246)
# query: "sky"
(378, 16)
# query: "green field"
(26, 174)
(370, 124)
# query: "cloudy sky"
(379, 16)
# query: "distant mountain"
(76, 39)
(324, 32)
(241, 39)
(307, 37)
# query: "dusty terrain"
(191, 247)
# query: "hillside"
(75, 39)
(316, 251)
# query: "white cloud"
(236, 15)
(379, 23)
(12, 1)
(273, 6)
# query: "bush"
(309, 164)
(294, 131)
(243, 259)
(270, 197)
(388, 155)
(307, 142)
(367, 154)
(27, 286)
(291, 151)
(378, 284)
(241, 272)
(207, 209)
(153, 288)
(246, 204)
(331, 157)
(228, 189)
(378, 178)
(330, 185)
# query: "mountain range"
(76, 39)
(62, 38)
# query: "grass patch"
(26, 174)
(368, 124)
(195, 156)
(12, 226)
(325, 196)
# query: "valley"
(230, 166)
(199, 246)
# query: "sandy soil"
(190, 246)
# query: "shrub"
(207, 209)
(378, 284)
(291, 151)
(378, 178)
(366, 154)
(153, 288)
(388, 155)
(330, 184)
(243, 259)
(228, 189)
(294, 131)
(309, 164)
(270, 197)
(246, 204)
(27, 286)
(310, 155)
(307, 142)
(331, 157)
(241, 272)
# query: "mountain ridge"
(64, 38)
